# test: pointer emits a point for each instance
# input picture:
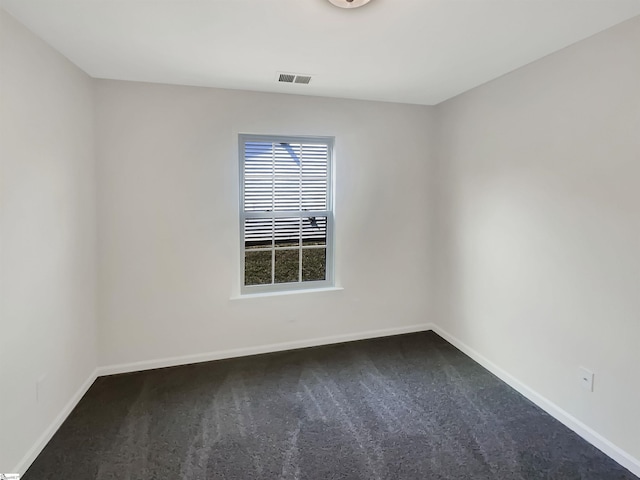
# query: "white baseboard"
(35, 450)
(594, 438)
(591, 436)
(270, 348)
(39, 445)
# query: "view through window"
(286, 212)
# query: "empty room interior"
(320, 239)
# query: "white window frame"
(328, 282)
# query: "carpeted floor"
(405, 407)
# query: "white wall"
(533, 260)
(47, 261)
(168, 220)
(538, 231)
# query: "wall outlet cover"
(586, 379)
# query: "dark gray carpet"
(406, 407)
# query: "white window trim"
(329, 281)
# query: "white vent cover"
(294, 78)
(349, 3)
(286, 77)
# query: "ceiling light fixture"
(349, 3)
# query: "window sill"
(285, 292)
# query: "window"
(286, 216)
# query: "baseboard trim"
(594, 438)
(35, 450)
(42, 441)
(269, 348)
(610, 449)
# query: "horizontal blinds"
(285, 177)
(285, 232)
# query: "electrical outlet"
(586, 379)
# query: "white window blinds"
(286, 212)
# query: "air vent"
(286, 78)
(305, 79)
(294, 78)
